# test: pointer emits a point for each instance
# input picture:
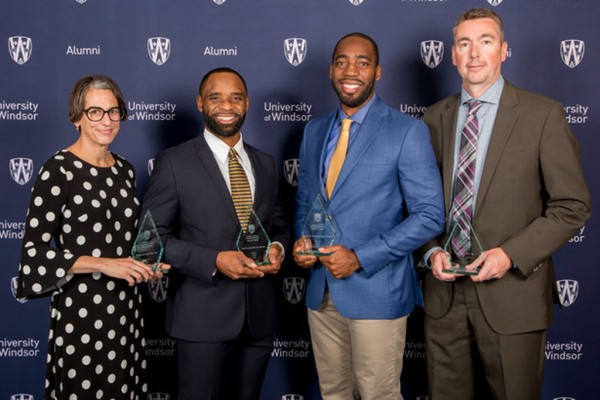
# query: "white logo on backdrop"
(219, 2)
(14, 282)
(295, 50)
(160, 396)
(150, 166)
(159, 49)
(20, 48)
(158, 289)
(293, 289)
(568, 289)
(572, 51)
(21, 396)
(356, 2)
(292, 397)
(432, 52)
(21, 169)
(290, 170)
(494, 2)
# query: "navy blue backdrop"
(158, 50)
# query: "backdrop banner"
(157, 51)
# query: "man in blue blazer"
(221, 304)
(386, 202)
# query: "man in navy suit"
(386, 202)
(221, 304)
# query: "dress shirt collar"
(359, 116)
(221, 150)
(491, 95)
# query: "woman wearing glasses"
(79, 231)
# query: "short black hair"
(360, 35)
(218, 70)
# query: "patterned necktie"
(339, 155)
(465, 175)
(240, 190)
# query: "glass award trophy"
(254, 241)
(462, 248)
(318, 230)
(147, 246)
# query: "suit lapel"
(322, 133)
(503, 128)
(207, 159)
(448, 135)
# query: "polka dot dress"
(95, 344)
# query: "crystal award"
(254, 241)
(147, 246)
(318, 230)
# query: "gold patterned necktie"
(240, 190)
(339, 155)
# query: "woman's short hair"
(77, 96)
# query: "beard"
(361, 98)
(221, 130)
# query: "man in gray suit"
(525, 197)
(221, 304)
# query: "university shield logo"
(19, 48)
(293, 289)
(572, 51)
(159, 49)
(292, 397)
(159, 396)
(14, 282)
(158, 289)
(290, 171)
(150, 166)
(432, 52)
(568, 289)
(356, 2)
(21, 169)
(81, 1)
(219, 2)
(494, 2)
(21, 396)
(295, 50)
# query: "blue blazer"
(387, 202)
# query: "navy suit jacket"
(386, 203)
(194, 214)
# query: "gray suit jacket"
(532, 198)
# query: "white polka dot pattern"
(95, 345)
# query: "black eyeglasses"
(96, 114)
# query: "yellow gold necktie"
(339, 155)
(240, 190)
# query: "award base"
(314, 253)
(461, 269)
(158, 268)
